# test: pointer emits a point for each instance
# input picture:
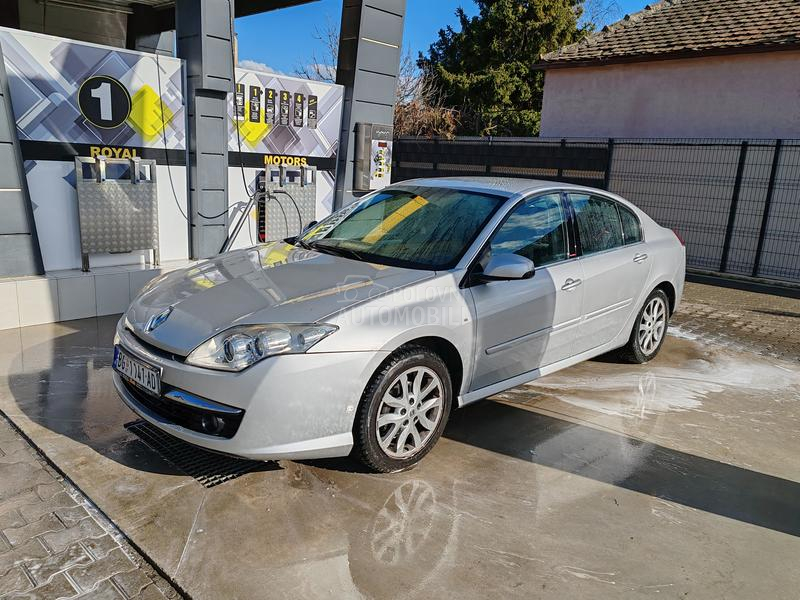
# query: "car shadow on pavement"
(345, 464)
(609, 358)
(693, 481)
(59, 376)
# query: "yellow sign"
(112, 152)
(252, 132)
(289, 161)
(149, 115)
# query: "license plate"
(137, 372)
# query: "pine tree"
(485, 70)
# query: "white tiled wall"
(112, 292)
(38, 301)
(9, 309)
(76, 297)
(67, 295)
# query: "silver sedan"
(361, 335)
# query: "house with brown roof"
(681, 68)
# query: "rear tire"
(649, 330)
(403, 410)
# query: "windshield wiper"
(303, 244)
(335, 250)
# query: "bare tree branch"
(418, 110)
(322, 66)
(598, 13)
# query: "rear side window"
(631, 228)
(599, 224)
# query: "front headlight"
(239, 347)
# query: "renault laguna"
(363, 333)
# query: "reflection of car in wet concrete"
(328, 543)
(361, 334)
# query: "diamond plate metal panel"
(116, 213)
(278, 216)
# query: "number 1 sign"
(104, 101)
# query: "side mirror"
(505, 267)
(309, 226)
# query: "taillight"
(680, 239)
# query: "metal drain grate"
(207, 468)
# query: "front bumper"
(295, 406)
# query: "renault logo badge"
(157, 320)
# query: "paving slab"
(761, 323)
(50, 535)
(678, 478)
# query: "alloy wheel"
(409, 412)
(652, 325)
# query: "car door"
(525, 324)
(614, 263)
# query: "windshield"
(416, 227)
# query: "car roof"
(506, 186)
(514, 187)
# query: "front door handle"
(641, 257)
(570, 284)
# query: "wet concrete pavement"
(679, 478)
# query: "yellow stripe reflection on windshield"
(394, 219)
(310, 234)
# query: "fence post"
(489, 155)
(737, 186)
(561, 159)
(607, 177)
(435, 164)
(776, 158)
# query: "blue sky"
(283, 39)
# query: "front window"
(416, 227)
(536, 229)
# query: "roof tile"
(681, 26)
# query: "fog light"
(212, 425)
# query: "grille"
(207, 468)
(154, 349)
(183, 415)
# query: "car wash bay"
(604, 480)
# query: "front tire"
(649, 329)
(403, 410)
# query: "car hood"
(273, 283)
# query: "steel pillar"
(204, 39)
(370, 42)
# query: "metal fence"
(735, 202)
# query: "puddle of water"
(679, 333)
(679, 380)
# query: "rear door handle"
(570, 284)
(641, 257)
